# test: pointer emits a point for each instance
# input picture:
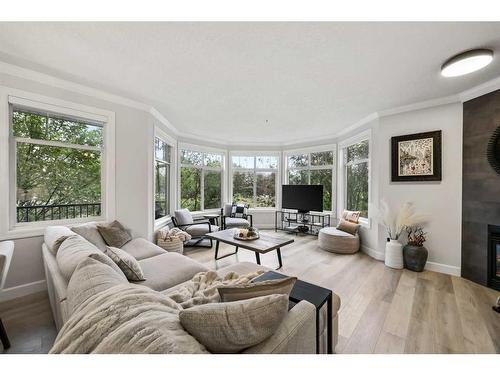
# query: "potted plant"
(395, 223)
(414, 253)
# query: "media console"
(297, 222)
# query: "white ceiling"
(224, 80)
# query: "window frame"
(312, 150)
(203, 168)
(255, 170)
(358, 138)
(171, 142)
(9, 97)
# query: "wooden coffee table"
(262, 245)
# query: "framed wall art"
(416, 157)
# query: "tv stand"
(300, 222)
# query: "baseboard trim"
(22, 290)
(443, 268)
(378, 255)
(430, 266)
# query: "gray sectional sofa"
(164, 272)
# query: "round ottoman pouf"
(337, 241)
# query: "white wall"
(440, 200)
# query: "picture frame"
(416, 157)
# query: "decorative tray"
(237, 237)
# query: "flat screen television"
(303, 198)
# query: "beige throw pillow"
(352, 216)
(231, 327)
(348, 227)
(127, 263)
(258, 289)
(114, 234)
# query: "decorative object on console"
(396, 223)
(414, 253)
(416, 157)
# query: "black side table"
(213, 218)
(314, 294)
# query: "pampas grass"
(397, 222)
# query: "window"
(313, 168)
(57, 165)
(356, 159)
(254, 180)
(201, 180)
(162, 178)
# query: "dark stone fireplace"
(481, 190)
(494, 257)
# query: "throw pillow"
(258, 289)
(114, 234)
(127, 263)
(231, 327)
(239, 210)
(91, 277)
(352, 216)
(348, 227)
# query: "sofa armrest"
(295, 335)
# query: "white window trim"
(169, 140)
(276, 170)
(342, 196)
(222, 169)
(309, 150)
(9, 229)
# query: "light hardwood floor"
(383, 310)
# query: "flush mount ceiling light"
(466, 62)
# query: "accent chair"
(229, 219)
(197, 228)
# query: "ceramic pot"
(394, 254)
(415, 257)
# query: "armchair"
(197, 228)
(230, 220)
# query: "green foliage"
(191, 188)
(357, 178)
(53, 175)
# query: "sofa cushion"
(54, 236)
(91, 277)
(127, 263)
(169, 269)
(183, 216)
(198, 230)
(90, 233)
(230, 327)
(140, 249)
(114, 234)
(236, 222)
(73, 250)
(264, 288)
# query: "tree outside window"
(254, 180)
(58, 166)
(356, 159)
(315, 168)
(201, 180)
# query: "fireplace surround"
(494, 257)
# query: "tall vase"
(394, 254)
